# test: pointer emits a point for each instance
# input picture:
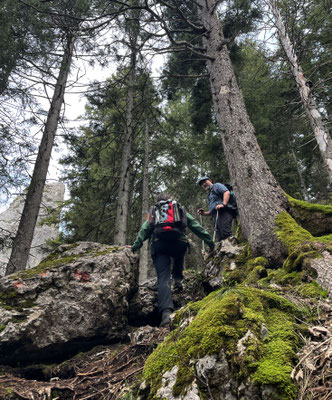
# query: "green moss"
(300, 257)
(3, 327)
(113, 249)
(183, 379)
(299, 204)
(311, 290)
(254, 276)
(221, 319)
(7, 298)
(290, 233)
(325, 239)
(56, 259)
(243, 267)
(301, 245)
(277, 361)
(11, 300)
(257, 262)
(297, 282)
(282, 277)
(50, 262)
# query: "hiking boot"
(165, 317)
(177, 284)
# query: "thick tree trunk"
(120, 237)
(24, 236)
(260, 198)
(321, 133)
(144, 254)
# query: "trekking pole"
(215, 226)
(203, 244)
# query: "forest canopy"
(165, 130)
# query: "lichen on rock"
(76, 296)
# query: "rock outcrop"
(235, 334)
(225, 258)
(9, 220)
(77, 296)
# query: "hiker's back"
(168, 220)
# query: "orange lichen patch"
(18, 284)
(83, 276)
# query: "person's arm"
(226, 196)
(199, 231)
(144, 233)
(200, 211)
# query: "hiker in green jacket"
(165, 226)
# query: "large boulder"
(77, 296)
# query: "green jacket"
(146, 232)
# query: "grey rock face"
(10, 219)
(226, 253)
(323, 268)
(144, 307)
(81, 294)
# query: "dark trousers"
(223, 225)
(162, 253)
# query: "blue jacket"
(216, 196)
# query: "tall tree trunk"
(260, 198)
(144, 254)
(320, 130)
(120, 237)
(22, 242)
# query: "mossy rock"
(301, 245)
(315, 218)
(10, 300)
(220, 321)
(57, 259)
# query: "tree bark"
(144, 254)
(320, 131)
(260, 198)
(22, 242)
(120, 237)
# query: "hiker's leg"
(163, 269)
(162, 263)
(225, 224)
(180, 249)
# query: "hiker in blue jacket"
(164, 248)
(219, 196)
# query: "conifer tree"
(66, 20)
(260, 198)
(314, 115)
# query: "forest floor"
(105, 372)
(113, 371)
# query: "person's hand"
(219, 206)
(128, 246)
(200, 211)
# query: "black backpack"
(168, 220)
(231, 205)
